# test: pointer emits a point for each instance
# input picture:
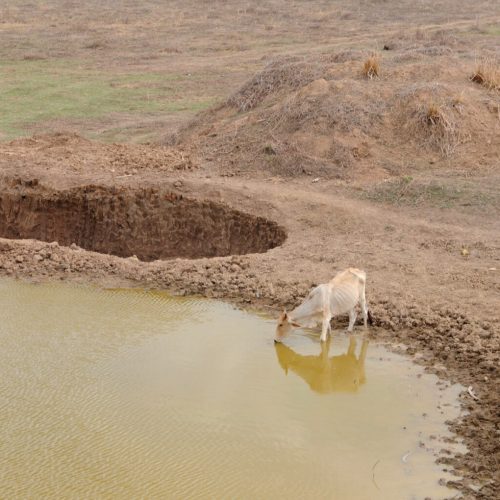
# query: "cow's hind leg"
(364, 308)
(352, 319)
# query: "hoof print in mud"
(149, 223)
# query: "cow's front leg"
(352, 319)
(325, 327)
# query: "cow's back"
(348, 276)
(347, 287)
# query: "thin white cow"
(341, 295)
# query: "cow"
(341, 295)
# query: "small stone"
(19, 259)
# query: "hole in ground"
(149, 223)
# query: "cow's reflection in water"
(323, 374)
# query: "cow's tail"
(370, 318)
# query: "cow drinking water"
(341, 295)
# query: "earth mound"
(322, 116)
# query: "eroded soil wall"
(143, 222)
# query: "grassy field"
(36, 92)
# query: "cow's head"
(284, 326)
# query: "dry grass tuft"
(434, 118)
(371, 67)
(487, 73)
(437, 127)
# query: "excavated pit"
(148, 223)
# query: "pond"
(135, 394)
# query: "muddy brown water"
(133, 394)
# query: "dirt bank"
(149, 223)
(424, 289)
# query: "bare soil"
(149, 224)
(304, 155)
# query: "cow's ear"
(283, 315)
(296, 325)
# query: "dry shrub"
(434, 117)
(327, 111)
(371, 67)
(289, 74)
(487, 73)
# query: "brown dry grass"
(437, 127)
(324, 108)
(371, 67)
(283, 73)
(435, 118)
(487, 73)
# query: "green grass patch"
(35, 91)
(492, 30)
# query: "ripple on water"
(126, 393)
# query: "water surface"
(130, 394)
